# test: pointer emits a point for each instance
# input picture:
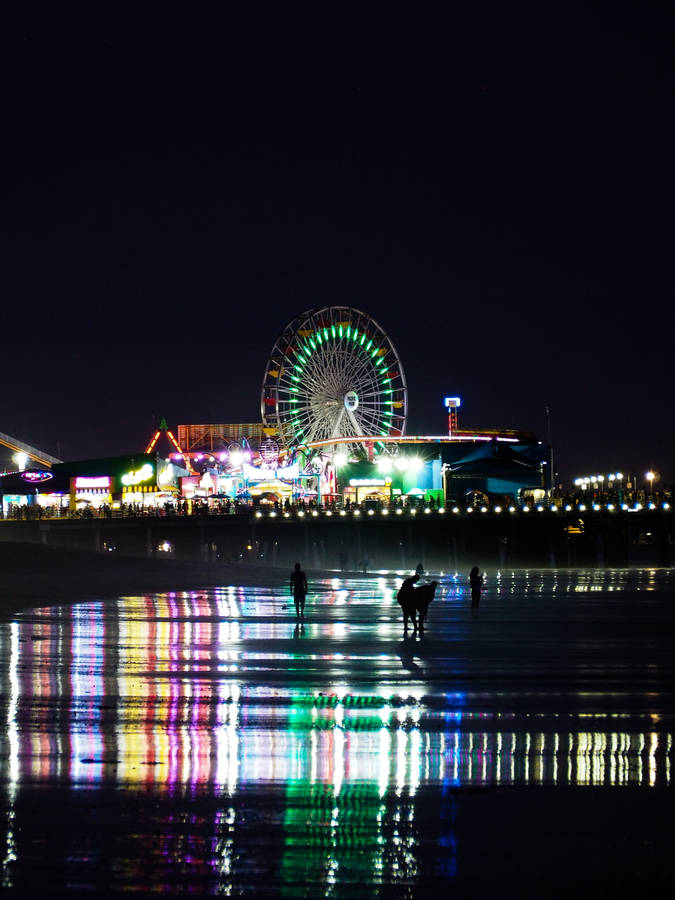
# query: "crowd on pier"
(572, 501)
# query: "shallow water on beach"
(208, 742)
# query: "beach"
(176, 728)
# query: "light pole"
(339, 459)
(650, 476)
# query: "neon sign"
(142, 474)
(265, 473)
(83, 481)
(36, 477)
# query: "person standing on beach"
(299, 589)
(476, 581)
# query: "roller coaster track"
(38, 456)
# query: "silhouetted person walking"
(476, 581)
(299, 589)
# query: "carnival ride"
(334, 374)
(333, 394)
(163, 427)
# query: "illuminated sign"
(453, 402)
(143, 474)
(264, 473)
(36, 477)
(83, 481)
(369, 482)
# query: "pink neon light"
(418, 439)
(84, 482)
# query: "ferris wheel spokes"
(334, 373)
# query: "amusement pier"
(330, 473)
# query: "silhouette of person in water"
(476, 581)
(299, 589)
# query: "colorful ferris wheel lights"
(344, 376)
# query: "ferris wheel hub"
(351, 401)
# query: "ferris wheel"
(333, 373)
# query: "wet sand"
(205, 741)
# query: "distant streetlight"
(650, 476)
(20, 458)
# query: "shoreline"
(32, 575)
(35, 575)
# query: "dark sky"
(495, 187)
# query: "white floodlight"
(21, 459)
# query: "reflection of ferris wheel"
(334, 373)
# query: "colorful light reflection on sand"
(222, 688)
(222, 692)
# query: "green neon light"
(380, 362)
(318, 337)
(298, 368)
(355, 334)
(370, 344)
(311, 340)
(340, 330)
(363, 337)
(332, 328)
(325, 333)
(295, 378)
(349, 331)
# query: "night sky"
(494, 187)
